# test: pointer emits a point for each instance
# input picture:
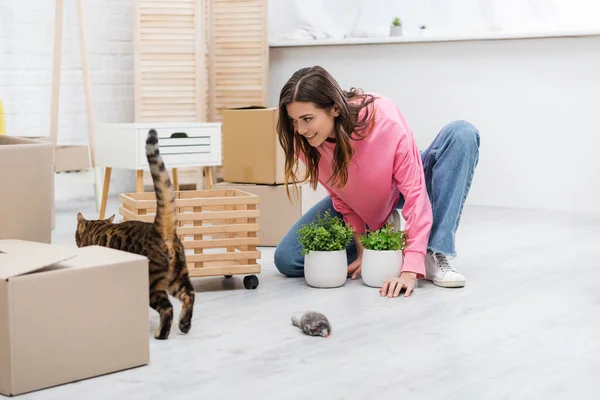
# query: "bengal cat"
(157, 240)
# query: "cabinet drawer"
(175, 132)
(198, 145)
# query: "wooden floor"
(526, 326)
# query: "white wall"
(534, 101)
(443, 17)
(26, 59)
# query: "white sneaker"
(439, 270)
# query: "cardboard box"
(68, 314)
(251, 149)
(68, 157)
(71, 158)
(277, 213)
(27, 182)
(48, 139)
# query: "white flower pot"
(326, 269)
(395, 30)
(380, 265)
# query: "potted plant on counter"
(396, 28)
(382, 255)
(324, 243)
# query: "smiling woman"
(314, 109)
(361, 149)
(313, 123)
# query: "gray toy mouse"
(313, 324)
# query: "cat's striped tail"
(166, 219)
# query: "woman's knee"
(464, 134)
(285, 262)
(279, 259)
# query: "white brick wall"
(26, 60)
(27, 40)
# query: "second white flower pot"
(380, 265)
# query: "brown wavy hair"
(317, 86)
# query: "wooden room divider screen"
(193, 58)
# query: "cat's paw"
(161, 335)
(166, 319)
(185, 326)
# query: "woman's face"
(315, 124)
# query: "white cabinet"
(182, 145)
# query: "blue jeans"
(449, 164)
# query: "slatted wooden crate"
(218, 227)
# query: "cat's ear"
(111, 218)
(80, 217)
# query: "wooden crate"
(218, 227)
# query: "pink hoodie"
(385, 164)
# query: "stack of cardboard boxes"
(27, 187)
(66, 313)
(253, 161)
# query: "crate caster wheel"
(251, 282)
(228, 276)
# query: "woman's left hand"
(355, 267)
(393, 286)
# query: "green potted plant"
(324, 243)
(382, 255)
(396, 28)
